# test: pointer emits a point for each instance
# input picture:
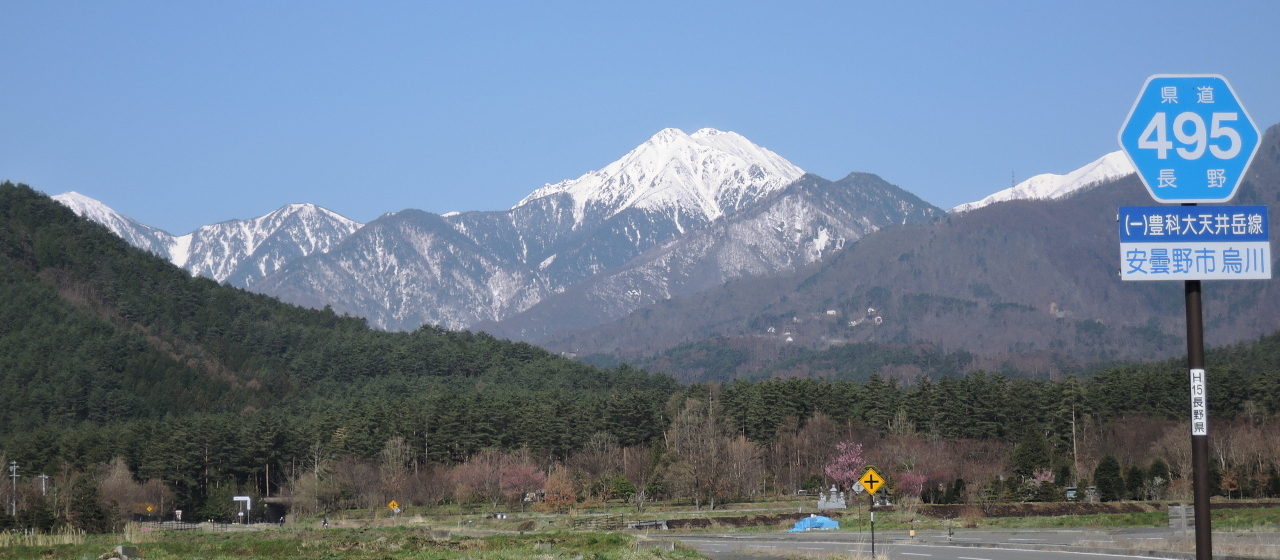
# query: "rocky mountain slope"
(809, 221)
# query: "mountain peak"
(221, 251)
(700, 175)
(668, 136)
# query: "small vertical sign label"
(1199, 412)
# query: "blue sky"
(181, 114)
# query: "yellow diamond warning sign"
(871, 480)
(393, 504)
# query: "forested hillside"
(123, 374)
(108, 351)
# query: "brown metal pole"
(1200, 432)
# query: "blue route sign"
(1194, 243)
(1190, 138)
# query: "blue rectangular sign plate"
(1194, 243)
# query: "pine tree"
(1158, 477)
(882, 402)
(86, 512)
(1135, 481)
(1031, 454)
(1273, 483)
(1107, 478)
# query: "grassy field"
(368, 535)
(380, 543)
(1235, 519)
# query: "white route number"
(1156, 135)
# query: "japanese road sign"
(1194, 243)
(871, 480)
(393, 504)
(1189, 137)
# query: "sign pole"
(1191, 141)
(1199, 433)
(872, 481)
(872, 509)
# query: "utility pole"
(44, 481)
(1075, 449)
(13, 499)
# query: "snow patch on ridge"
(1048, 186)
(180, 250)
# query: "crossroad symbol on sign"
(871, 480)
(393, 505)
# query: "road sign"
(1189, 137)
(871, 480)
(393, 505)
(1194, 243)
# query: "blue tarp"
(815, 522)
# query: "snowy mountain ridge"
(236, 251)
(683, 211)
(1048, 186)
(138, 234)
(244, 251)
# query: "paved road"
(965, 545)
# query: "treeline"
(699, 459)
(113, 361)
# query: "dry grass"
(137, 533)
(68, 536)
(1232, 544)
(969, 517)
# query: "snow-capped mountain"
(240, 252)
(138, 234)
(1048, 186)
(555, 238)
(806, 222)
(701, 176)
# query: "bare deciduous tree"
(597, 461)
(641, 465)
(694, 442)
(393, 468)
